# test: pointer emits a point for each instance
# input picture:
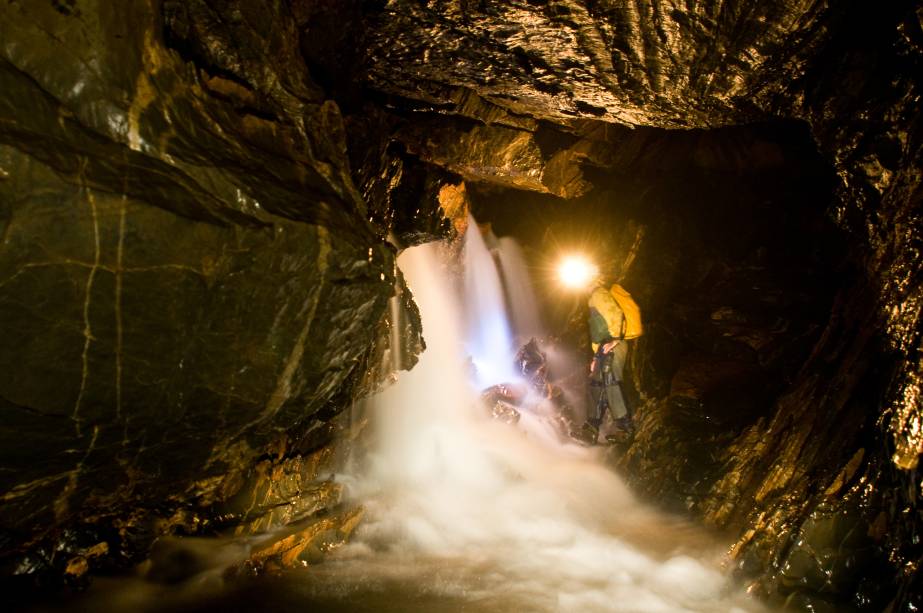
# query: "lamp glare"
(576, 272)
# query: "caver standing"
(614, 318)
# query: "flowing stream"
(464, 513)
(469, 514)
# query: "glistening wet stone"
(218, 130)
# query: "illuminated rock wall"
(195, 199)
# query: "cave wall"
(653, 63)
(191, 287)
(195, 199)
(538, 96)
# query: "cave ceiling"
(655, 64)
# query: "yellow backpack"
(631, 324)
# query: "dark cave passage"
(202, 208)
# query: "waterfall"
(523, 307)
(465, 510)
(463, 513)
(488, 338)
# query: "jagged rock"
(648, 64)
(276, 492)
(193, 229)
(304, 543)
(496, 154)
(187, 272)
(403, 191)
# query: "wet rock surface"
(195, 202)
(760, 379)
(188, 281)
(649, 64)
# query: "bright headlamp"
(576, 272)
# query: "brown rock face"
(641, 64)
(824, 441)
(189, 281)
(195, 202)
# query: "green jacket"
(606, 317)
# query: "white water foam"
(505, 517)
(463, 513)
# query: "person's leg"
(596, 409)
(615, 398)
(616, 401)
(589, 432)
(617, 358)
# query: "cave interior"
(201, 206)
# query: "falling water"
(465, 513)
(523, 308)
(488, 339)
(469, 514)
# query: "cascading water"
(488, 339)
(523, 308)
(465, 513)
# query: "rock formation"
(198, 202)
(191, 286)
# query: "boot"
(587, 434)
(624, 429)
(625, 425)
